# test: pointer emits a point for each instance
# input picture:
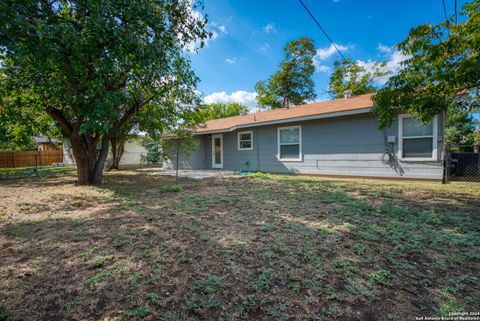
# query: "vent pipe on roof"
(347, 94)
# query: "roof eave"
(289, 120)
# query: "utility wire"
(324, 32)
(444, 10)
(455, 11)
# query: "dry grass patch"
(267, 247)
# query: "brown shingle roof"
(308, 110)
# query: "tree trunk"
(90, 164)
(118, 148)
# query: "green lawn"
(258, 247)
(12, 173)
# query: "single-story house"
(336, 137)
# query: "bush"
(170, 188)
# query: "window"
(245, 140)
(417, 141)
(289, 143)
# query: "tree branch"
(61, 119)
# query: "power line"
(455, 11)
(444, 10)
(324, 32)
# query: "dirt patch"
(263, 247)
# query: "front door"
(217, 151)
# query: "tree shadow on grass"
(280, 248)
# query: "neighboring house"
(337, 137)
(131, 156)
(46, 144)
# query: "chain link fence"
(14, 165)
(463, 164)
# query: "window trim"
(251, 139)
(300, 154)
(434, 137)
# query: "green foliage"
(460, 128)
(170, 188)
(4, 314)
(292, 84)
(295, 286)
(248, 303)
(181, 144)
(93, 66)
(349, 75)
(382, 277)
(138, 312)
(222, 110)
(154, 298)
(155, 155)
(69, 306)
(442, 62)
(264, 281)
(199, 303)
(101, 261)
(211, 284)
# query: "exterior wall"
(349, 145)
(131, 156)
(194, 160)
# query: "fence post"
(13, 159)
(36, 164)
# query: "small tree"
(293, 83)
(182, 143)
(155, 154)
(349, 75)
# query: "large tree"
(292, 84)
(444, 62)
(222, 110)
(92, 66)
(350, 75)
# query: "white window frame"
(300, 154)
(434, 137)
(251, 139)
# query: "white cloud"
(393, 59)
(384, 49)
(239, 96)
(213, 27)
(269, 28)
(265, 47)
(327, 52)
(231, 61)
(322, 68)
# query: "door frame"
(214, 165)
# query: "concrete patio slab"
(191, 173)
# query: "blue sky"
(249, 37)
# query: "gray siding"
(350, 145)
(194, 160)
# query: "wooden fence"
(30, 158)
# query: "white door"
(217, 151)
